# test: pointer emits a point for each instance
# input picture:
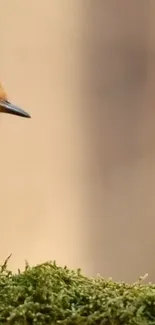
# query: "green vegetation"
(48, 294)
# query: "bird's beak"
(7, 107)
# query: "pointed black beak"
(7, 107)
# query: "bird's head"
(9, 108)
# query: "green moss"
(48, 294)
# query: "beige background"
(78, 179)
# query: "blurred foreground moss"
(48, 294)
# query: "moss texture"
(48, 294)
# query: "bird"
(7, 107)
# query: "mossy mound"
(48, 294)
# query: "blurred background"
(78, 179)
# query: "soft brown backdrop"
(78, 179)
